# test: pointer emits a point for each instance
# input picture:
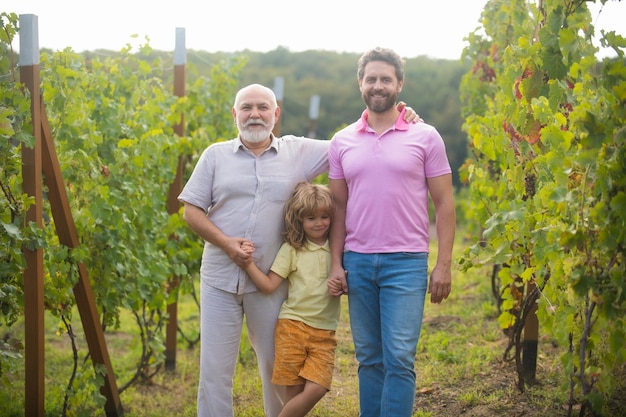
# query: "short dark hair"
(381, 54)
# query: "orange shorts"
(303, 353)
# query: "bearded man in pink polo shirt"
(381, 173)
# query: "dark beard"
(378, 106)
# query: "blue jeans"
(386, 294)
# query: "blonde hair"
(306, 200)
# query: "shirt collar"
(313, 247)
(400, 124)
(238, 144)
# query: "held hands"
(239, 250)
(247, 247)
(337, 282)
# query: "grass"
(459, 368)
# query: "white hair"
(247, 88)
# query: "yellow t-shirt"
(308, 299)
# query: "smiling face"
(316, 226)
(255, 113)
(379, 86)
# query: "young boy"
(304, 337)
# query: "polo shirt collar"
(400, 124)
(312, 246)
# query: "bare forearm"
(198, 222)
(265, 283)
(446, 227)
(441, 192)
(337, 237)
(337, 283)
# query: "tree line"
(431, 88)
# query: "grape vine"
(112, 120)
(546, 122)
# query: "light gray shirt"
(244, 196)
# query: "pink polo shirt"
(387, 209)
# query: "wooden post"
(531, 337)
(279, 84)
(173, 205)
(31, 184)
(35, 161)
(68, 236)
(314, 111)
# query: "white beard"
(253, 136)
(256, 136)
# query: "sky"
(435, 28)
